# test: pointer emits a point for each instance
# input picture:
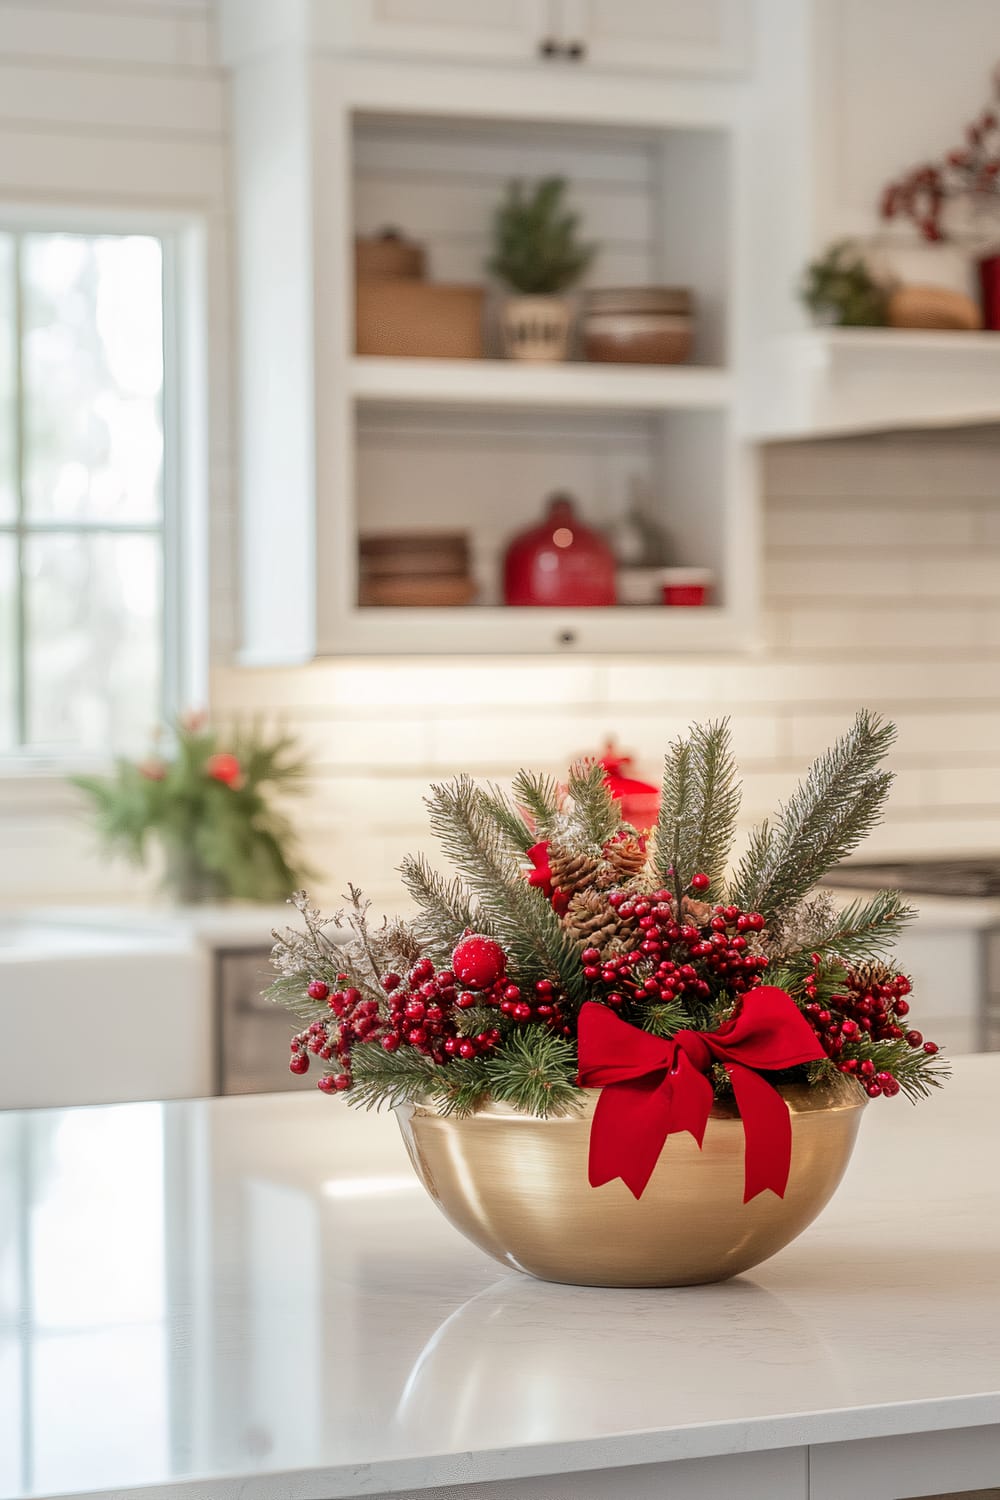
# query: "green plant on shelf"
(839, 289)
(209, 804)
(537, 249)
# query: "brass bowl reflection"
(517, 1187)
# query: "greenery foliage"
(588, 896)
(839, 288)
(209, 804)
(536, 246)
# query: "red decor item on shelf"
(559, 562)
(989, 285)
(686, 586)
(640, 800)
(652, 1087)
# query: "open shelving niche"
(479, 445)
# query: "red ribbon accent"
(652, 1088)
(541, 876)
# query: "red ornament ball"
(225, 768)
(700, 882)
(478, 962)
(298, 1063)
(318, 990)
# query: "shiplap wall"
(883, 589)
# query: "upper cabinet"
(670, 36)
(473, 30)
(683, 37)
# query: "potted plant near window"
(537, 254)
(209, 805)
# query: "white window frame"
(185, 461)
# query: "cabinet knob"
(577, 51)
(548, 47)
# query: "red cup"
(686, 587)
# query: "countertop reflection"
(253, 1297)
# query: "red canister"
(559, 562)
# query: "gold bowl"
(516, 1185)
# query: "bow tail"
(767, 1128)
(634, 1117)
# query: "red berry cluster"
(673, 956)
(868, 1010)
(481, 964)
(972, 169)
(422, 1012)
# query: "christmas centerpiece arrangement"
(615, 1060)
(207, 801)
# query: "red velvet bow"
(652, 1088)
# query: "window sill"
(41, 786)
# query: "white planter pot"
(536, 328)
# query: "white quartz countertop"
(251, 1297)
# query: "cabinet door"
(665, 36)
(489, 30)
(252, 1034)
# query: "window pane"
(93, 376)
(8, 410)
(93, 640)
(8, 648)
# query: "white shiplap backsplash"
(883, 589)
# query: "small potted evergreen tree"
(537, 254)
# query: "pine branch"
(664, 1020)
(514, 912)
(391, 1078)
(445, 906)
(715, 804)
(676, 817)
(462, 1085)
(917, 1072)
(829, 814)
(596, 815)
(860, 931)
(289, 990)
(519, 837)
(535, 1072)
(539, 796)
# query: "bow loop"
(652, 1088)
(695, 1048)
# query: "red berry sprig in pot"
(865, 1009)
(673, 956)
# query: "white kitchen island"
(252, 1299)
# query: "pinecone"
(572, 870)
(589, 917)
(869, 976)
(627, 857)
(696, 912)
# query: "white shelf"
(836, 381)
(500, 382)
(565, 632)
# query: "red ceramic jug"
(559, 562)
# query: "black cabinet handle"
(577, 51)
(548, 48)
